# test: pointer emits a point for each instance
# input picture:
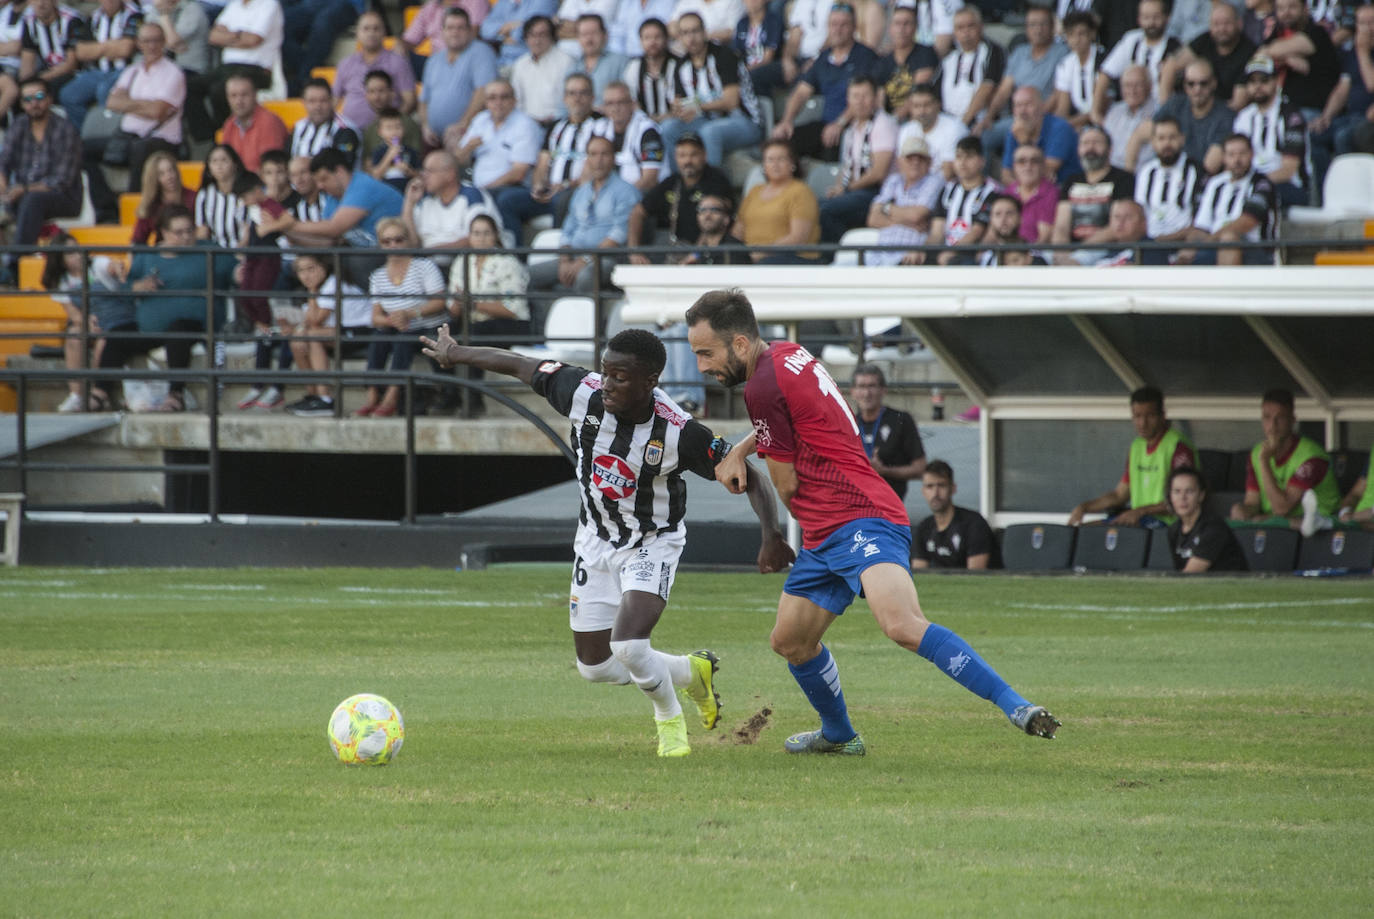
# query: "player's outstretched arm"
(732, 471)
(774, 552)
(448, 352)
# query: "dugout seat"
(1269, 548)
(1160, 556)
(1037, 546)
(1347, 466)
(1240, 469)
(1111, 548)
(1350, 549)
(1215, 466)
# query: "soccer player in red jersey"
(855, 532)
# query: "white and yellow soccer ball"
(366, 730)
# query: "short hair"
(280, 157)
(534, 21)
(389, 112)
(395, 223)
(1094, 126)
(600, 23)
(246, 182)
(864, 79)
(869, 370)
(617, 84)
(1278, 396)
(995, 199)
(243, 77)
(378, 75)
(458, 11)
(693, 13)
(1081, 18)
(643, 345)
(941, 468)
(317, 83)
(921, 89)
(173, 212)
(581, 78)
(728, 312)
(656, 23)
(1244, 138)
(690, 139)
(972, 10)
(1166, 119)
(1151, 394)
(39, 82)
(969, 143)
(1175, 473)
(330, 159)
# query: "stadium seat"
(289, 111)
(409, 14)
(87, 215)
(1111, 548)
(103, 235)
(1347, 466)
(1269, 548)
(1350, 549)
(533, 227)
(820, 177)
(754, 179)
(191, 172)
(1037, 546)
(568, 331)
(128, 207)
(1347, 192)
(325, 73)
(1215, 466)
(31, 271)
(1240, 470)
(547, 241)
(1160, 556)
(862, 236)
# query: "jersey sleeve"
(700, 450)
(919, 538)
(557, 382)
(1262, 200)
(1294, 139)
(978, 539)
(1212, 538)
(1184, 455)
(773, 432)
(1310, 473)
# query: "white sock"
(679, 668)
(651, 673)
(608, 671)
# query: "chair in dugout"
(1111, 548)
(1161, 555)
(1240, 469)
(1037, 546)
(1215, 465)
(1269, 548)
(1347, 466)
(1349, 549)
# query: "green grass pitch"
(165, 753)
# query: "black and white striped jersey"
(308, 138)
(1078, 78)
(638, 147)
(960, 208)
(1134, 48)
(224, 215)
(104, 27)
(1225, 198)
(566, 144)
(707, 82)
(1327, 12)
(652, 92)
(1276, 131)
(963, 72)
(53, 41)
(1169, 194)
(629, 475)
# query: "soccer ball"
(366, 730)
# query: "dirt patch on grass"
(748, 733)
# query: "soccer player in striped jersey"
(632, 445)
(855, 531)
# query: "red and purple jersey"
(800, 417)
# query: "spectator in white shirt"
(538, 74)
(249, 36)
(866, 154)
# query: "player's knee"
(795, 650)
(608, 671)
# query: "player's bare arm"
(447, 352)
(774, 552)
(731, 471)
(1103, 502)
(784, 476)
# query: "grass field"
(166, 753)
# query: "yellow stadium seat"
(325, 73)
(410, 13)
(31, 271)
(191, 173)
(389, 43)
(422, 48)
(128, 208)
(289, 111)
(36, 313)
(1344, 258)
(103, 235)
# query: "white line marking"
(214, 587)
(396, 590)
(1194, 607)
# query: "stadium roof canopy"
(1052, 343)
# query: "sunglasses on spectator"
(33, 97)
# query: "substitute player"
(855, 533)
(632, 444)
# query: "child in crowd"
(393, 162)
(63, 275)
(325, 292)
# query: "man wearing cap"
(901, 211)
(1278, 132)
(672, 204)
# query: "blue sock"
(962, 664)
(819, 678)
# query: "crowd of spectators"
(1105, 125)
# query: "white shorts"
(594, 597)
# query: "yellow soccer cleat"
(702, 689)
(672, 737)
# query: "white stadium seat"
(1347, 193)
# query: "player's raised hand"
(440, 349)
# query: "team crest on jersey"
(550, 367)
(613, 477)
(653, 453)
(762, 435)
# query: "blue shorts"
(828, 575)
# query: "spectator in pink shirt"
(1039, 195)
(351, 77)
(429, 24)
